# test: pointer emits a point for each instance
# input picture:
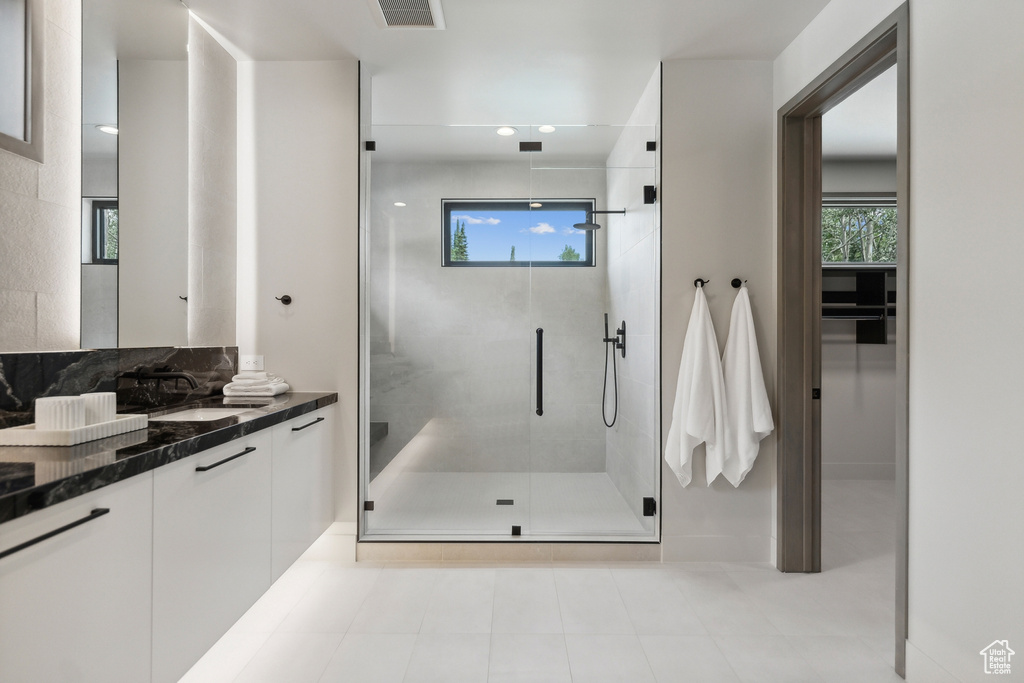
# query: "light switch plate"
(250, 362)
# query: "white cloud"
(572, 231)
(541, 229)
(473, 220)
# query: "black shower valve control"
(619, 340)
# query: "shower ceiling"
(499, 62)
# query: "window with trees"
(858, 228)
(516, 233)
(104, 231)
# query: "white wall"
(633, 443)
(99, 306)
(966, 510)
(299, 127)
(966, 517)
(857, 175)
(716, 198)
(212, 189)
(153, 203)
(40, 275)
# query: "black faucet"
(161, 374)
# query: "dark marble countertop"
(36, 477)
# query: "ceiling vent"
(407, 13)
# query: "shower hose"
(609, 347)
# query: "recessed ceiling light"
(109, 130)
(535, 205)
(399, 203)
(547, 129)
(506, 130)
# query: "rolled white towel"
(236, 389)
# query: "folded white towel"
(698, 414)
(749, 416)
(256, 377)
(251, 374)
(236, 389)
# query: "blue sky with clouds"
(538, 235)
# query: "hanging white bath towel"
(699, 410)
(750, 417)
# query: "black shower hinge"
(517, 531)
(650, 194)
(368, 505)
(371, 145)
(650, 507)
(815, 393)
(652, 146)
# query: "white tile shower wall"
(40, 275)
(212, 203)
(633, 254)
(455, 346)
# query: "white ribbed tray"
(28, 435)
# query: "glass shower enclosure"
(485, 392)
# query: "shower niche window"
(482, 387)
(516, 233)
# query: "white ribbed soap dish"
(28, 435)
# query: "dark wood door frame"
(798, 412)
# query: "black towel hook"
(699, 282)
(284, 299)
(737, 283)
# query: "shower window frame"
(588, 260)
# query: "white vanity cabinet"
(211, 547)
(302, 485)
(76, 606)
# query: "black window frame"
(458, 206)
(99, 234)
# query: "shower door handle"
(540, 371)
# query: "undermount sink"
(199, 414)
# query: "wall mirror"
(134, 173)
(21, 70)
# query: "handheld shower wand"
(611, 344)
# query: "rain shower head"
(590, 223)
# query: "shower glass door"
(483, 334)
(448, 334)
(588, 480)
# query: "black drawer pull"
(98, 512)
(204, 468)
(299, 429)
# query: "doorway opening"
(799, 399)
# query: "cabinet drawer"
(302, 485)
(76, 606)
(211, 548)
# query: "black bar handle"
(98, 512)
(204, 468)
(299, 429)
(540, 371)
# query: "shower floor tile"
(465, 503)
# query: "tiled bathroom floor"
(329, 620)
